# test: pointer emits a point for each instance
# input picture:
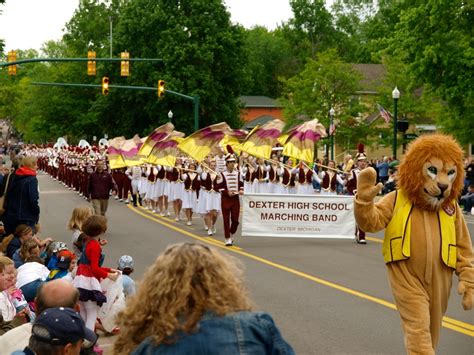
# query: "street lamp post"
(395, 96)
(331, 131)
(170, 115)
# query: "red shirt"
(93, 252)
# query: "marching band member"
(117, 175)
(142, 185)
(191, 188)
(348, 164)
(220, 161)
(352, 186)
(160, 191)
(150, 195)
(167, 190)
(304, 179)
(260, 179)
(273, 179)
(230, 186)
(176, 189)
(134, 174)
(328, 180)
(248, 171)
(287, 178)
(209, 197)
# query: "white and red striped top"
(232, 181)
(220, 164)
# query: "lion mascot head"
(431, 172)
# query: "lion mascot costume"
(426, 237)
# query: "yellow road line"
(166, 223)
(459, 323)
(457, 329)
(450, 323)
(373, 239)
(447, 320)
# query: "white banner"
(301, 216)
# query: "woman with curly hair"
(193, 300)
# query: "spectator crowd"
(55, 297)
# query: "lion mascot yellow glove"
(426, 237)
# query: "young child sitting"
(126, 265)
(64, 266)
(9, 318)
(30, 276)
(50, 257)
(12, 301)
(29, 248)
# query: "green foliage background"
(426, 48)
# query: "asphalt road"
(326, 296)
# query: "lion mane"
(410, 172)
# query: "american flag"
(384, 113)
(332, 129)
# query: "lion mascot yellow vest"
(426, 237)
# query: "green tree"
(202, 55)
(417, 103)
(12, 88)
(350, 23)
(436, 39)
(2, 43)
(324, 83)
(311, 25)
(267, 56)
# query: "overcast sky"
(28, 24)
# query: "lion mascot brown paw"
(426, 237)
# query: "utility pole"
(110, 22)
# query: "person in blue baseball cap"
(58, 331)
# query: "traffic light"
(91, 64)
(161, 88)
(124, 64)
(12, 58)
(105, 85)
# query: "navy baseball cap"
(60, 326)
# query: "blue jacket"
(236, 333)
(383, 169)
(22, 201)
(17, 260)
